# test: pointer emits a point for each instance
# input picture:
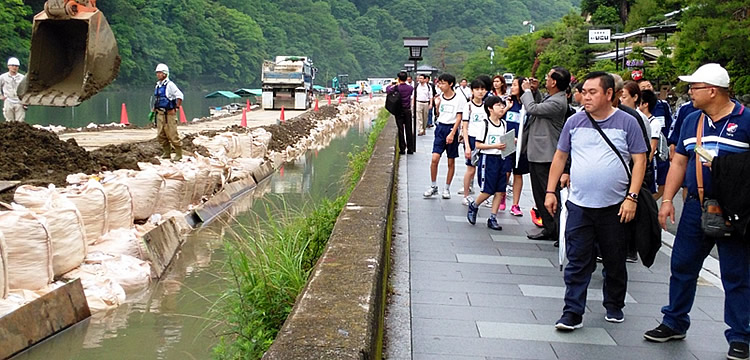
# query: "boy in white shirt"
(473, 126)
(450, 110)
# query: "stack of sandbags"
(144, 187)
(243, 168)
(3, 269)
(120, 203)
(172, 194)
(223, 145)
(91, 201)
(63, 222)
(261, 140)
(29, 251)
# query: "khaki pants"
(423, 109)
(166, 128)
(14, 112)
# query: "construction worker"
(168, 98)
(13, 110)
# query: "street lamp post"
(415, 45)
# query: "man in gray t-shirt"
(602, 197)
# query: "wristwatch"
(634, 196)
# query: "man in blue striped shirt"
(726, 130)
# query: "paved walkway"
(464, 292)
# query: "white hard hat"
(14, 61)
(163, 68)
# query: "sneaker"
(467, 200)
(460, 192)
(446, 194)
(738, 351)
(432, 191)
(614, 316)
(488, 203)
(662, 333)
(502, 203)
(515, 210)
(569, 322)
(492, 224)
(535, 218)
(632, 258)
(471, 215)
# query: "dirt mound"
(287, 133)
(29, 154)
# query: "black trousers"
(539, 174)
(405, 131)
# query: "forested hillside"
(224, 42)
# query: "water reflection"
(171, 319)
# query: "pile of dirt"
(39, 156)
(127, 156)
(289, 132)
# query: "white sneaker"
(488, 203)
(467, 200)
(446, 194)
(432, 191)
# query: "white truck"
(287, 81)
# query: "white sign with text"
(600, 36)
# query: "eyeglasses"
(691, 87)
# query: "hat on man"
(712, 74)
(13, 62)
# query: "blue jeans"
(690, 249)
(587, 227)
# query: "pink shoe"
(502, 203)
(515, 210)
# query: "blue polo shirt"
(729, 135)
(683, 111)
(662, 110)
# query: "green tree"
(15, 31)
(605, 15)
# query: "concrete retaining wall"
(339, 314)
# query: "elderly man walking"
(13, 110)
(720, 127)
(168, 98)
(546, 119)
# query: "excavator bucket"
(72, 58)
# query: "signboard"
(600, 36)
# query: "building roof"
(222, 93)
(248, 92)
(649, 30)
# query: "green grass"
(269, 263)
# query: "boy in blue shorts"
(450, 110)
(495, 179)
(473, 126)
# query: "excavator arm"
(73, 54)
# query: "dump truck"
(73, 54)
(287, 81)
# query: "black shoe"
(541, 236)
(492, 224)
(569, 322)
(738, 351)
(662, 333)
(402, 152)
(410, 152)
(614, 316)
(632, 258)
(556, 244)
(471, 215)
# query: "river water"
(172, 320)
(106, 107)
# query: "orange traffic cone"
(183, 119)
(281, 116)
(316, 105)
(248, 105)
(124, 116)
(328, 97)
(243, 122)
(340, 96)
(370, 96)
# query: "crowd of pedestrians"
(614, 138)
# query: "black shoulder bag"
(645, 225)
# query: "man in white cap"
(13, 110)
(168, 98)
(724, 128)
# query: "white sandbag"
(189, 191)
(29, 251)
(119, 204)
(16, 299)
(3, 269)
(144, 187)
(64, 224)
(222, 145)
(101, 292)
(246, 143)
(131, 273)
(171, 196)
(91, 201)
(120, 242)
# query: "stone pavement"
(466, 292)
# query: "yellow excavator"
(73, 54)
